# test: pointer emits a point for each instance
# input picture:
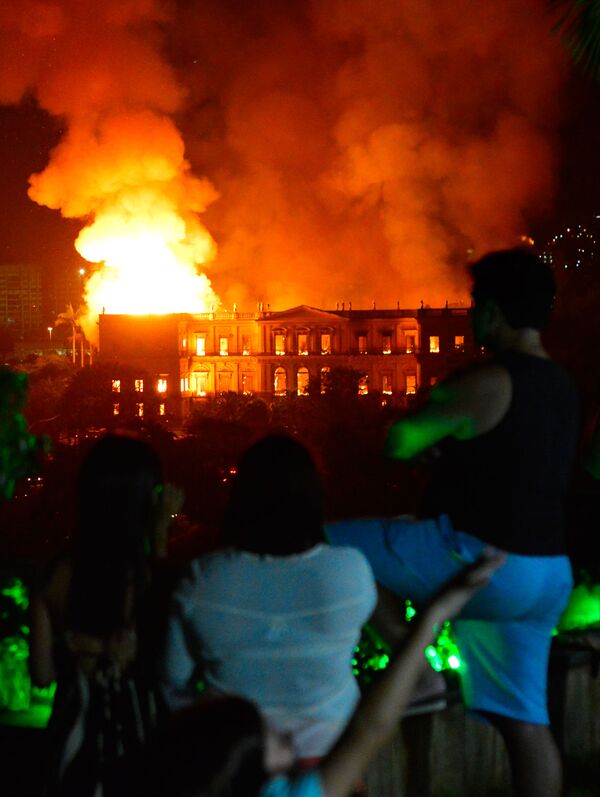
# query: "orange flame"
(149, 255)
(129, 175)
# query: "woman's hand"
(456, 593)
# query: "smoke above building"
(340, 150)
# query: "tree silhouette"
(73, 318)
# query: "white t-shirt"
(279, 631)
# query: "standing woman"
(88, 615)
(275, 616)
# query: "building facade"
(184, 358)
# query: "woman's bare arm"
(376, 718)
(41, 660)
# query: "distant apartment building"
(180, 359)
(21, 298)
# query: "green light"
(453, 662)
(44, 694)
(17, 592)
(433, 658)
(15, 683)
(583, 609)
(410, 611)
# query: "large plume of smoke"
(361, 149)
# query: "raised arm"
(378, 713)
(464, 406)
(41, 660)
(48, 606)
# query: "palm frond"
(579, 25)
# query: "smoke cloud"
(360, 149)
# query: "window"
(246, 344)
(224, 381)
(325, 378)
(116, 409)
(434, 344)
(184, 384)
(139, 385)
(184, 343)
(279, 343)
(362, 344)
(116, 385)
(302, 379)
(200, 345)
(302, 343)
(410, 343)
(459, 342)
(280, 382)
(223, 346)
(201, 378)
(386, 384)
(411, 384)
(161, 385)
(161, 409)
(387, 344)
(325, 343)
(363, 385)
(247, 384)
(139, 410)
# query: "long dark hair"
(116, 500)
(276, 501)
(212, 749)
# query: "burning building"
(175, 360)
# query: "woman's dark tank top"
(507, 486)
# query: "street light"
(50, 333)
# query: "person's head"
(117, 496)
(217, 748)
(276, 503)
(512, 289)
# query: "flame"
(148, 254)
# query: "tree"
(73, 318)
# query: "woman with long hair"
(275, 615)
(88, 612)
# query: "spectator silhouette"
(276, 615)
(506, 432)
(87, 615)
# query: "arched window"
(200, 378)
(302, 380)
(280, 382)
(325, 378)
